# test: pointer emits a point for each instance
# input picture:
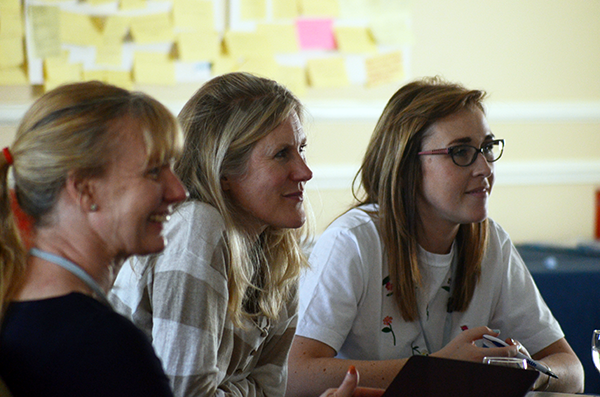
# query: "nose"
(175, 192)
(482, 167)
(301, 171)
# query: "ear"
(80, 191)
(225, 183)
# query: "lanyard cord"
(448, 321)
(74, 269)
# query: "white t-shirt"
(346, 301)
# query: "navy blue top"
(74, 345)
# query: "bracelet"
(547, 384)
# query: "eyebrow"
(488, 137)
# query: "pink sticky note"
(315, 34)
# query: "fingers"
(348, 385)
(368, 392)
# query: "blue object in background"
(569, 281)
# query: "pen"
(531, 362)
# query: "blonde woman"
(416, 267)
(92, 167)
(220, 302)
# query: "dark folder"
(426, 376)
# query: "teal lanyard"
(448, 321)
(74, 269)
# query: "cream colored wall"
(533, 57)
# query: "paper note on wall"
(115, 29)
(384, 68)
(13, 76)
(45, 27)
(11, 23)
(260, 66)
(59, 70)
(315, 34)
(128, 5)
(354, 40)
(152, 28)
(244, 44)
(109, 55)
(11, 52)
(79, 29)
(193, 15)
(252, 10)
(153, 68)
(392, 29)
(222, 65)
(282, 37)
(293, 77)
(327, 73)
(285, 9)
(198, 46)
(320, 8)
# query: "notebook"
(426, 376)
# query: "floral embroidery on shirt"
(387, 321)
(388, 285)
(416, 350)
(447, 287)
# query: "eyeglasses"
(465, 155)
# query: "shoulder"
(357, 224)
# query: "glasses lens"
(463, 155)
(492, 151)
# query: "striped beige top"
(181, 304)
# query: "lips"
(299, 195)
(479, 190)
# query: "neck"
(436, 240)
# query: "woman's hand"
(463, 347)
(349, 387)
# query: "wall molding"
(369, 111)
(508, 173)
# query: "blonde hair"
(221, 124)
(390, 176)
(71, 128)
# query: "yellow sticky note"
(150, 57)
(115, 29)
(243, 44)
(45, 27)
(11, 52)
(282, 37)
(78, 29)
(354, 39)
(119, 78)
(58, 70)
(161, 73)
(89, 75)
(127, 5)
(285, 9)
(320, 8)
(11, 23)
(293, 77)
(99, 2)
(109, 55)
(327, 73)
(14, 5)
(198, 46)
(260, 66)
(13, 76)
(384, 68)
(252, 10)
(392, 29)
(222, 65)
(192, 15)
(153, 28)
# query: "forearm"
(570, 374)
(311, 377)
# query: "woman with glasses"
(416, 267)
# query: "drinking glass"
(596, 348)
(514, 362)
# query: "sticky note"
(384, 68)
(126, 5)
(320, 8)
(315, 34)
(99, 2)
(78, 29)
(294, 78)
(14, 5)
(392, 29)
(115, 29)
(251, 10)
(12, 52)
(193, 15)
(247, 44)
(354, 39)
(13, 76)
(282, 37)
(11, 23)
(260, 66)
(222, 65)
(109, 55)
(285, 9)
(152, 28)
(119, 78)
(327, 72)
(158, 72)
(45, 27)
(198, 46)
(59, 70)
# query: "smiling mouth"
(161, 218)
(479, 190)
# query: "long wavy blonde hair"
(221, 124)
(390, 176)
(71, 128)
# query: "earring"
(94, 207)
